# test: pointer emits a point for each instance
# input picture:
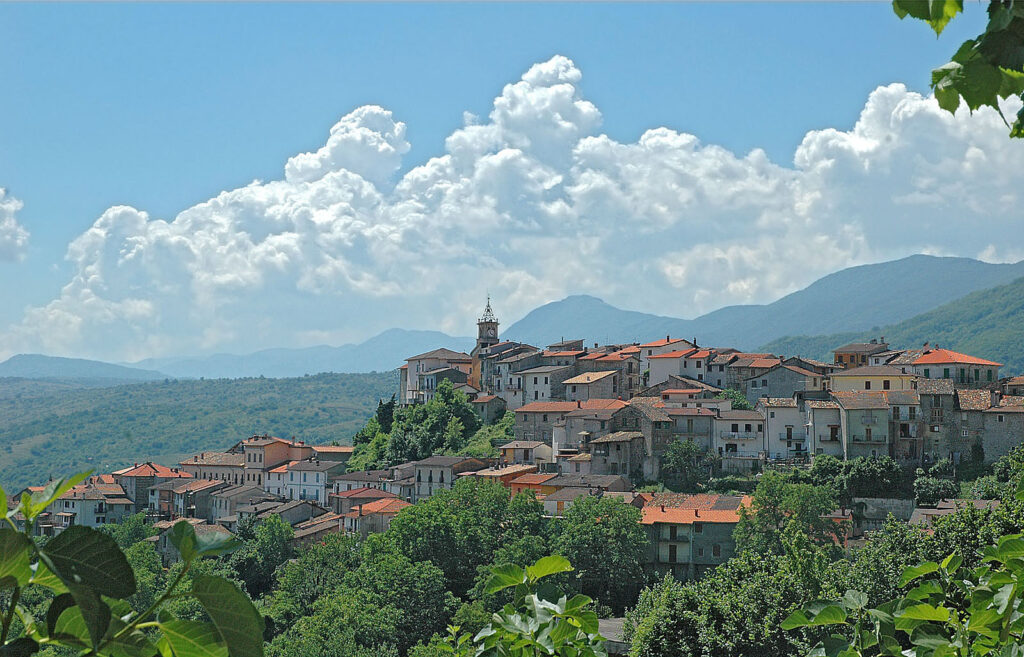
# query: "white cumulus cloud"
(13, 236)
(530, 203)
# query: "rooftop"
(942, 356)
(442, 354)
(589, 377)
(216, 459)
(566, 407)
(618, 437)
(870, 370)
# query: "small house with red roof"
(690, 534)
(490, 408)
(964, 370)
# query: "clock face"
(490, 332)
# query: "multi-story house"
(964, 370)
(91, 504)
(345, 501)
(490, 408)
(373, 517)
(689, 535)
(593, 385)
(264, 453)
(739, 439)
(529, 452)
(508, 382)
(544, 383)
(311, 480)
(1003, 427)
(940, 433)
(228, 467)
(137, 479)
(824, 427)
(411, 374)
(193, 498)
(871, 378)
(697, 364)
(1014, 386)
(857, 354)
(746, 366)
(536, 420)
(224, 503)
(783, 380)
(619, 453)
(906, 426)
(344, 481)
(664, 365)
(785, 428)
(864, 417)
(437, 473)
(658, 347)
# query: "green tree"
(342, 624)
(319, 568)
(603, 537)
(739, 402)
(929, 490)
(129, 531)
(984, 69)
(685, 465)
(263, 554)
(779, 507)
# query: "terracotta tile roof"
(579, 458)
(689, 411)
(673, 354)
(616, 357)
(593, 356)
(631, 349)
(382, 507)
(589, 377)
(816, 404)
(1015, 381)
(534, 478)
(500, 471)
(941, 356)
(654, 513)
(1011, 400)
(681, 391)
(935, 387)
(801, 371)
(618, 437)
(150, 469)
(283, 467)
(778, 402)
(566, 407)
(974, 400)
(216, 458)
(522, 444)
(861, 400)
(334, 449)
(699, 353)
(483, 399)
(442, 354)
(364, 491)
(737, 414)
(575, 352)
(196, 485)
(662, 343)
(764, 362)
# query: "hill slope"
(382, 352)
(36, 366)
(51, 429)
(854, 299)
(986, 323)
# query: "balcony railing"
(828, 438)
(867, 439)
(744, 454)
(739, 435)
(796, 435)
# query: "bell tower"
(487, 328)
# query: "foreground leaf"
(194, 639)
(85, 557)
(237, 620)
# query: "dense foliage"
(61, 429)
(79, 587)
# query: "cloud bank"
(13, 236)
(531, 204)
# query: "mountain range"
(853, 301)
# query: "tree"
(319, 568)
(603, 537)
(929, 490)
(91, 580)
(876, 568)
(739, 402)
(540, 620)
(260, 557)
(684, 464)
(129, 531)
(342, 624)
(779, 507)
(984, 69)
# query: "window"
(698, 528)
(672, 532)
(999, 418)
(885, 384)
(700, 552)
(945, 373)
(534, 380)
(536, 395)
(867, 385)
(746, 428)
(867, 434)
(574, 388)
(895, 412)
(698, 364)
(760, 428)
(735, 428)
(672, 552)
(927, 373)
(771, 414)
(753, 384)
(764, 383)
(544, 418)
(545, 380)
(989, 376)
(716, 550)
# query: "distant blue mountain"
(854, 299)
(36, 366)
(385, 351)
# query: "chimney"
(696, 513)
(668, 338)
(995, 397)
(579, 404)
(663, 508)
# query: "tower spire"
(488, 315)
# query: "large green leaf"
(936, 13)
(194, 639)
(20, 647)
(15, 551)
(925, 612)
(95, 613)
(550, 565)
(505, 576)
(913, 572)
(58, 606)
(238, 621)
(85, 557)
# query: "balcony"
(740, 454)
(828, 438)
(796, 436)
(867, 439)
(739, 435)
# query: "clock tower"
(487, 329)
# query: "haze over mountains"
(849, 302)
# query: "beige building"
(871, 378)
(222, 466)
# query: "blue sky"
(164, 106)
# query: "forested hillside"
(49, 427)
(986, 324)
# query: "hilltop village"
(600, 420)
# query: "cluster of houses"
(615, 409)
(594, 421)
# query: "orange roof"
(566, 407)
(502, 471)
(483, 399)
(765, 362)
(593, 356)
(385, 507)
(575, 352)
(150, 469)
(681, 391)
(534, 478)
(284, 467)
(631, 349)
(700, 353)
(336, 449)
(688, 509)
(939, 356)
(674, 354)
(662, 343)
